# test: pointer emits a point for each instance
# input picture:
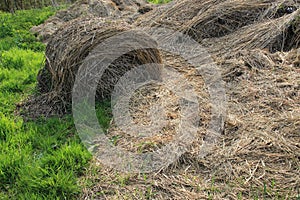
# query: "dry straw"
(68, 49)
(114, 9)
(256, 44)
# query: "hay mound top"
(112, 9)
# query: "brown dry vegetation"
(256, 45)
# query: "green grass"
(41, 159)
(14, 29)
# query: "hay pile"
(258, 156)
(280, 34)
(176, 13)
(229, 16)
(218, 25)
(67, 51)
(97, 8)
(113, 9)
(130, 5)
(256, 45)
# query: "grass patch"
(41, 159)
(14, 29)
(104, 114)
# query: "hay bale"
(68, 50)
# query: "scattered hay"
(160, 95)
(258, 155)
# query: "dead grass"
(256, 45)
(128, 10)
(257, 157)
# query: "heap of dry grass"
(112, 9)
(82, 8)
(258, 156)
(229, 16)
(207, 19)
(176, 13)
(66, 52)
(256, 45)
(280, 34)
(130, 5)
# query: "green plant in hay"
(104, 114)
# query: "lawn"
(39, 159)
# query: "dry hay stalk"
(176, 13)
(259, 149)
(229, 16)
(274, 35)
(67, 51)
(258, 155)
(91, 9)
